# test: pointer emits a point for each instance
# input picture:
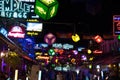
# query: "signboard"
(116, 25)
(62, 46)
(41, 46)
(3, 31)
(33, 28)
(16, 32)
(42, 57)
(17, 9)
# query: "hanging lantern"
(98, 39)
(75, 52)
(89, 51)
(73, 60)
(51, 52)
(46, 9)
(49, 38)
(75, 37)
(83, 57)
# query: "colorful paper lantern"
(49, 38)
(51, 52)
(46, 9)
(75, 37)
(89, 51)
(75, 52)
(98, 39)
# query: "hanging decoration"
(49, 38)
(75, 37)
(51, 52)
(75, 52)
(46, 9)
(98, 39)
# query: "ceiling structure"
(89, 17)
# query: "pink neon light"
(17, 32)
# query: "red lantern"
(98, 39)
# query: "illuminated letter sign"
(42, 57)
(116, 25)
(17, 9)
(40, 46)
(97, 52)
(17, 32)
(62, 46)
(34, 28)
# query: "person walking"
(59, 76)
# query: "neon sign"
(17, 9)
(40, 46)
(3, 31)
(116, 25)
(16, 32)
(42, 57)
(62, 46)
(97, 52)
(34, 27)
(32, 33)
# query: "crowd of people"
(73, 75)
(69, 75)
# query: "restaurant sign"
(17, 32)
